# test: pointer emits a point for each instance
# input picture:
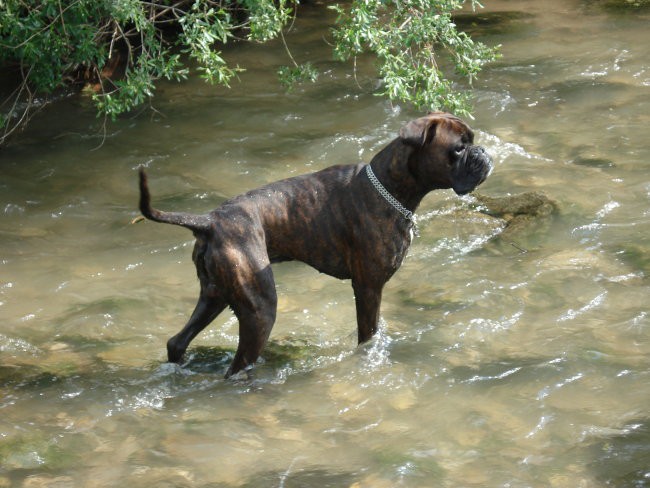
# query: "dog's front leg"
(368, 300)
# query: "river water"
(512, 360)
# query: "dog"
(349, 221)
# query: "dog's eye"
(458, 151)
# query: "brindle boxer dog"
(351, 222)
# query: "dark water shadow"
(623, 460)
(80, 370)
(619, 7)
(302, 478)
(490, 23)
(276, 355)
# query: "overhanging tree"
(122, 47)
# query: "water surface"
(516, 360)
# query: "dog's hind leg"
(205, 312)
(256, 314)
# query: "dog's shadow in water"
(276, 356)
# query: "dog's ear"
(419, 131)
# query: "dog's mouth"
(472, 170)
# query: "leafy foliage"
(405, 37)
(122, 47)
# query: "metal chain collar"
(390, 198)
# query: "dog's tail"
(196, 223)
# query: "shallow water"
(504, 359)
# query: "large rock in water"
(520, 212)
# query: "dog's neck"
(387, 195)
(391, 166)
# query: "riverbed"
(504, 359)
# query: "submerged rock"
(519, 211)
(593, 162)
(637, 255)
(533, 203)
(33, 450)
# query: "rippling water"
(505, 359)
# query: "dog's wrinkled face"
(471, 169)
(445, 155)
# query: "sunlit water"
(518, 361)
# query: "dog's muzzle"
(472, 170)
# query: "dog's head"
(444, 153)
